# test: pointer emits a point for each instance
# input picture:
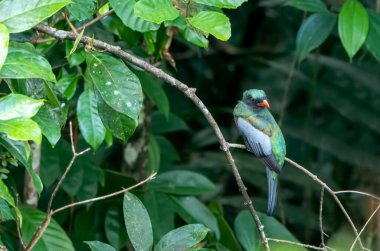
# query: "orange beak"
(264, 104)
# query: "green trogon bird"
(262, 137)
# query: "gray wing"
(258, 143)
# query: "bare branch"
(39, 232)
(95, 20)
(23, 246)
(75, 155)
(151, 177)
(365, 225)
(358, 192)
(321, 219)
(188, 92)
(300, 244)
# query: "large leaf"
(99, 246)
(212, 22)
(82, 9)
(120, 125)
(247, 233)
(18, 106)
(21, 129)
(5, 211)
(90, 124)
(164, 124)
(373, 37)
(54, 237)
(182, 238)
(6, 196)
(23, 61)
(20, 152)
(183, 183)
(156, 11)
(308, 5)
(117, 84)
(67, 84)
(48, 121)
(313, 33)
(125, 10)
(137, 222)
(230, 4)
(19, 16)
(153, 89)
(193, 210)
(4, 42)
(115, 228)
(161, 212)
(353, 26)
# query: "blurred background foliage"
(327, 107)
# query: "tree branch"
(188, 92)
(300, 244)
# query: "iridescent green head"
(255, 97)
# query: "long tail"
(272, 191)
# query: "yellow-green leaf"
(4, 41)
(212, 22)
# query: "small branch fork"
(50, 212)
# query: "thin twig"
(23, 246)
(95, 20)
(75, 155)
(358, 192)
(321, 219)
(299, 244)
(70, 23)
(188, 92)
(151, 177)
(365, 225)
(39, 232)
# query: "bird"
(262, 137)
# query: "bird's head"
(255, 98)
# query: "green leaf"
(137, 222)
(313, 33)
(308, 5)
(117, 84)
(194, 37)
(18, 16)
(248, 235)
(20, 151)
(46, 118)
(90, 124)
(67, 84)
(18, 106)
(353, 26)
(193, 210)
(4, 42)
(168, 151)
(183, 183)
(373, 37)
(153, 89)
(99, 246)
(161, 212)
(23, 61)
(215, 23)
(230, 4)
(82, 9)
(114, 227)
(54, 237)
(156, 11)
(182, 238)
(5, 211)
(21, 129)
(153, 155)
(76, 58)
(5, 195)
(120, 125)
(163, 124)
(125, 10)
(246, 232)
